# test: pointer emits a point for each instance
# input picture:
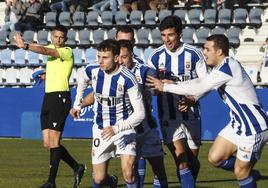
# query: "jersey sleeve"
(138, 114)
(199, 86)
(65, 53)
(83, 82)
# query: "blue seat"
(146, 53)
(233, 35)
(12, 42)
(240, 16)
(51, 19)
(84, 38)
(42, 37)
(65, 18)
(217, 30)
(194, 16)
(149, 17)
(98, 36)
(142, 36)
(210, 16)
(224, 17)
(156, 37)
(77, 56)
(92, 18)
(163, 13)
(19, 57)
(90, 56)
(201, 35)
(33, 59)
(111, 33)
(187, 35)
(28, 36)
(5, 57)
(71, 38)
(107, 18)
(135, 17)
(181, 13)
(78, 19)
(255, 17)
(3, 39)
(121, 17)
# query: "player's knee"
(241, 173)
(98, 179)
(213, 159)
(128, 174)
(46, 145)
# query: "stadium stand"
(246, 29)
(121, 17)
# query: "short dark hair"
(220, 42)
(61, 28)
(125, 29)
(126, 44)
(171, 22)
(109, 45)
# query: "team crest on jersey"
(120, 88)
(188, 65)
(94, 78)
(138, 78)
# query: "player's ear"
(116, 58)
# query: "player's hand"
(75, 113)
(168, 81)
(107, 133)
(154, 83)
(185, 103)
(18, 40)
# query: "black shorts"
(55, 109)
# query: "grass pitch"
(25, 164)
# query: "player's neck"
(113, 69)
(178, 46)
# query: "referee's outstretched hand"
(18, 40)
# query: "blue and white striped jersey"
(117, 95)
(236, 90)
(186, 63)
(141, 71)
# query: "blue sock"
(187, 179)
(141, 171)
(162, 183)
(107, 182)
(248, 182)
(228, 164)
(95, 185)
(132, 184)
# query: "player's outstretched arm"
(35, 47)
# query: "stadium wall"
(20, 111)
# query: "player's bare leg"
(178, 151)
(127, 166)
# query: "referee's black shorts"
(55, 109)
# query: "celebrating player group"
(179, 75)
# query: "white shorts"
(192, 130)
(149, 144)
(103, 150)
(248, 147)
(171, 131)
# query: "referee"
(56, 102)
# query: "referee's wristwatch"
(26, 46)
